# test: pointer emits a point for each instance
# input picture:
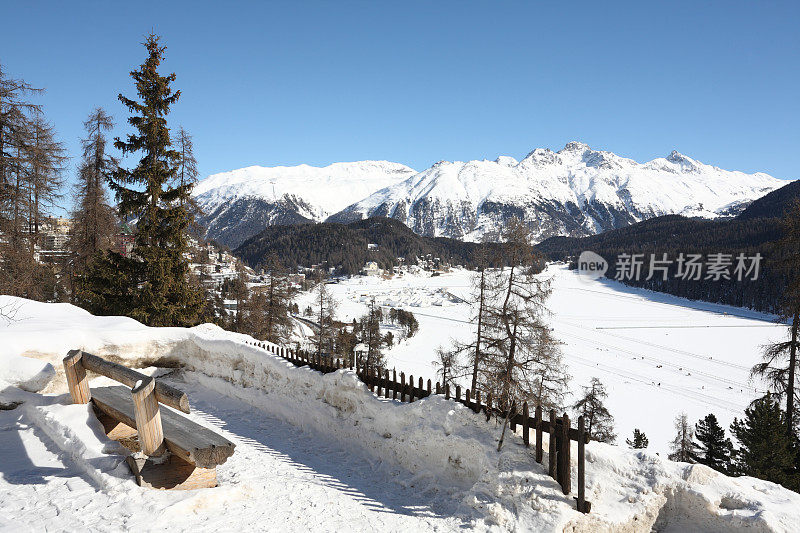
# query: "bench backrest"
(146, 393)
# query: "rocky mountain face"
(576, 191)
(241, 203)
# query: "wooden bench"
(181, 454)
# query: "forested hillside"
(756, 230)
(345, 245)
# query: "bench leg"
(148, 418)
(77, 381)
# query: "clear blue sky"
(272, 83)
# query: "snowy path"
(299, 476)
(281, 478)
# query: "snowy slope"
(575, 191)
(322, 453)
(239, 203)
(658, 355)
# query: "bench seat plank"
(188, 440)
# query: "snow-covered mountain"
(576, 191)
(240, 203)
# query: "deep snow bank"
(451, 449)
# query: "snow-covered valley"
(658, 355)
(310, 446)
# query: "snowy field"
(657, 354)
(319, 452)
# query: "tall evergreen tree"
(279, 294)
(764, 450)
(682, 446)
(157, 270)
(369, 332)
(599, 422)
(714, 449)
(15, 133)
(187, 173)
(45, 160)
(324, 314)
(639, 440)
(94, 224)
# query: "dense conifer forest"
(755, 230)
(345, 246)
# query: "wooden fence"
(405, 389)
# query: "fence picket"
(552, 455)
(563, 457)
(538, 423)
(526, 437)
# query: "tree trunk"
(478, 340)
(505, 425)
(790, 384)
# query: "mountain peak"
(575, 146)
(676, 157)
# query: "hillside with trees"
(750, 233)
(346, 246)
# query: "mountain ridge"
(576, 191)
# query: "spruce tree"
(764, 450)
(639, 440)
(599, 422)
(714, 449)
(157, 269)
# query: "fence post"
(526, 437)
(488, 406)
(148, 417)
(421, 389)
(478, 401)
(411, 388)
(438, 388)
(447, 392)
(538, 429)
(467, 398)
(394, 384)
(582, 504)
(553, 451)
(77, 381)
(377, 373)
(402, 386)
(458, 393)
(429, 387)
(563, 457)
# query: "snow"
(320, 452)
(658, 355)
(457, 191)
(326, 189)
